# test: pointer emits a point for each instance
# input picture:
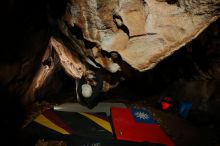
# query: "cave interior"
(190, 74)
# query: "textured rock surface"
(77, 36)
(142, 32)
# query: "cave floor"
(183, 132)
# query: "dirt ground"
(183, 132)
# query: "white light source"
(86, 90)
